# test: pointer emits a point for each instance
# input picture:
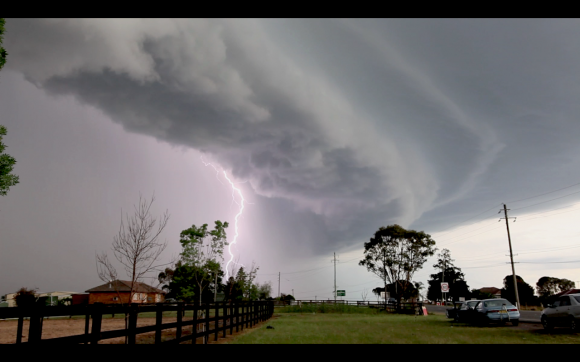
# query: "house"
(495, 292)
(117, 291)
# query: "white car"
(565, 312)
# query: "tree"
(7, 162)
(395, 254)
(450, 274)
(135, 246)
(25, 297)
(264, 290)
(202, 252)
(457, 285)
(525, 291)
(3, 52)
(546, 287)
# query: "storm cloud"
(362, 123)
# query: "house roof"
(571, 291)
(124, 286)
(491, 290)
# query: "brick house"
(118, 291)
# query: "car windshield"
(577, 298)
(497, 303)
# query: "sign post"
(445, 289)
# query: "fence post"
(132, 323)
(225, 319)
(19, 332)
(206, 332)
(216, 323)
(158, 322)
(243, 315)
(194, 328)
(97, 316)
(231, 319)
(237, 312)
(35, 328)
(179, 320)
(87, 320)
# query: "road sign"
(340, 293)
(445, 287)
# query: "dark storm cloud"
(361, 123)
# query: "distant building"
(50, 298)
(118, 291)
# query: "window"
(577, 298)
(564, 301)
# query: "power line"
(543, 202)
(546, 193)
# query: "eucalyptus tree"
(394, 254)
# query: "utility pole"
(505, 210)
(443, 280)
(278, 284)
(334, 259)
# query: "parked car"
(459, 307)
(391, 301)
(462, 312)
(565, 312)
(490, 310)
(451, 312)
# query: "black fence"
(213, 319)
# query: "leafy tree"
(25, 297)
(202, 253)
(3, 52)
(395, 254)
(457, 285)
(7, 162)
(410, 291)
(525, 291)
(546, 287)
(450, 274)
(264, 290)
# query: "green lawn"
(365, 328)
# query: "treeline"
(199, 274)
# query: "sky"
(330, 128)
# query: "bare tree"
(364, 294)
(136, 247)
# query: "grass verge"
(361, 328)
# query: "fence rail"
(404, 308)
(224, 315)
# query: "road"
(527, 316)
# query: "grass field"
(379, 328)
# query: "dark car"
(452, 312)
(458, 308)
(565, 312)
(490, 310)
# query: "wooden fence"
(224, 315)
(404, 308)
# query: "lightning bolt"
(241, 205)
